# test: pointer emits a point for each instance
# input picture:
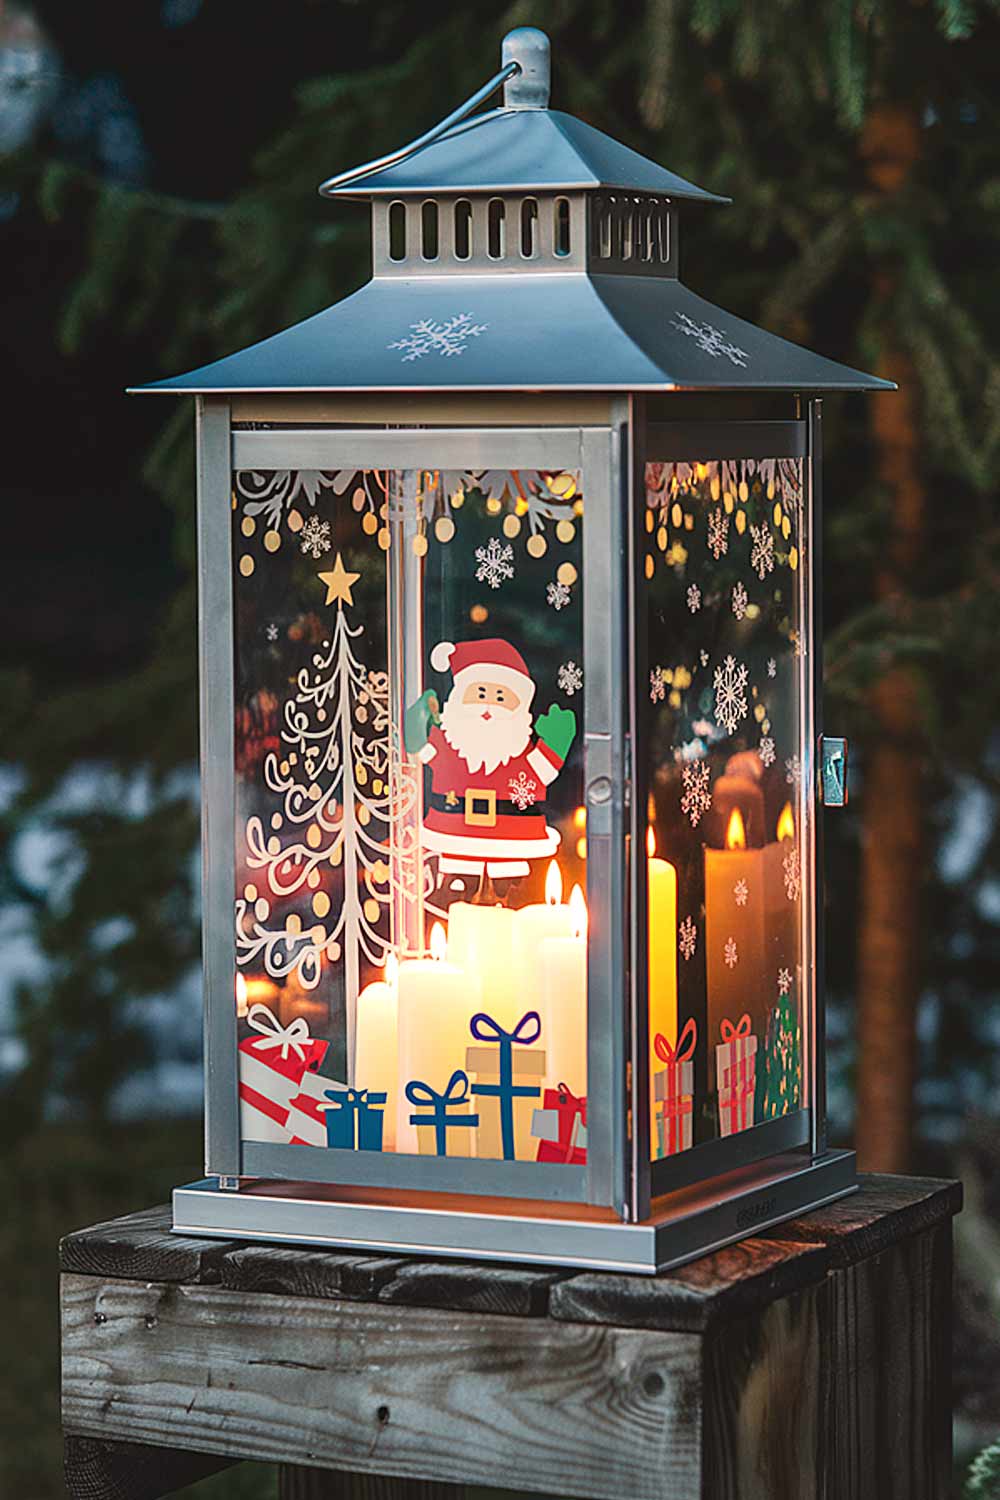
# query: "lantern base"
(682, 1226)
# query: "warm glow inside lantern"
(511, 752)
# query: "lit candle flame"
(439, 943)
(578, 912)
(580, 818)
(553, 884)
(391, 971)
(241, 995)
(736, 834)
(650, 843)
(786, 823)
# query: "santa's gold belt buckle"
(476, 818)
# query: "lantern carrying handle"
(354, 174)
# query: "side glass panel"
(723, 567)
(411, 856)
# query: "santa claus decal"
(489, 771)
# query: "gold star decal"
(339, 583)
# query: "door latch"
(832, 771)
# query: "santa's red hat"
(484, 661)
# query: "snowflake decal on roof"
(496, 562)
(314, 538)
(739, 601)
(762, 551)
(709, 338)
(447, 338)
(557, 594)
(523, 790)
(687, 938)
(697, 798)
(570, 678)
(718, 532)
(730, 694)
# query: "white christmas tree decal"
(342, 805)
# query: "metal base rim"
(764, 1196)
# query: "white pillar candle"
(436, 1002)
(562, 1001)
(375, 1047)
(481, 942)
(533, 926)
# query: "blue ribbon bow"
(456, 1092)
(528, 1029)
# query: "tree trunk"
(894, 832)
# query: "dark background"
(158, 165)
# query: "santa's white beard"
(485, 743)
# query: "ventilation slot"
(463, 229)
(495, 229)
(429, 230)
(561, 226)
(529, 228)
(397, 231)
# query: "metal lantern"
(511, 753)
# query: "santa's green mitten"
(557, 729)
(418, 720)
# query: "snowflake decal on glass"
(570, 678)
(704, 657)
(731, 953)
(784, 981)
(793, 770)
(557, 594)
(718, 532)
(314, 538)
(762, 551)
(657, 686)
(766, 751)
(772, 667)
(523, 790)
(739, 601)
(730, 694)
(271, 632)
(447, 338)
(694, 598)
(687, 938)
(741, 891)
(697, 798)
(709, 338)
(496, 562)
(792, 873)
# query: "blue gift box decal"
(456, 1093)
(354, 1119)
(528, 1029)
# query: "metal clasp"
(832, 771)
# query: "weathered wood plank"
(889, 1336)
(293, 1272)
(729, 1284)
(883, 1212)
(517, 1291)
(456, 1397)
(764, 1404)
(97, 1470)
(141, 1246)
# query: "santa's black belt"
(484, 806)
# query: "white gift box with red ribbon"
(736, 1075)
(273, 1067)
(307, 1111)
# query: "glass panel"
(722, 579)
(411, 856)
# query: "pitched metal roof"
(486, 333)
(524, 151)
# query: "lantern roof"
(520, 250)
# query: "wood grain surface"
(457, 1397)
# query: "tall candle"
(550, 918)
(662, 949)
(436, 1002)
(481, 941)
(375, 1046)
(736, 930)
(562, 1001)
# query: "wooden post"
(812, 1363)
